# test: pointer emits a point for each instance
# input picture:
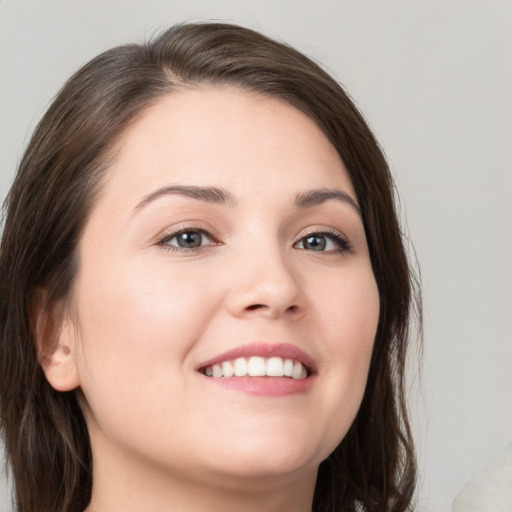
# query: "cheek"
(350, 313)
(349, 308)
(138, 324)
(146, 308)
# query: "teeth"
(275, 367)
(288, 367)
(227, 369)
(299, 372)
(217, 370)
(257, 366)
(240, 367)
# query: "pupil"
(316, 243)
(190, 239)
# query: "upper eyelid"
(210, 232)
(322, 231)
(339, 237)
(183, 228)
(162, 240)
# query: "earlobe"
(55, 346)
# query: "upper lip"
(284, 350)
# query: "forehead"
(226, 137)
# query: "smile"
(257, 366)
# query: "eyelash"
(343, 245)
(163, 241)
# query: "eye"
(324, 242)
(186, 239)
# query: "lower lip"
(265, 386)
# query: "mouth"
(276, 361)
(262, 369)
(257, 366)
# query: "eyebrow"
(318, 196)
(221, 196)
(213, 195)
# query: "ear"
(55, 338)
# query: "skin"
(146, 313)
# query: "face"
(225, 302)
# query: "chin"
(267, 472)
(272, 456)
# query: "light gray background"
(435, 80)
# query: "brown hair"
(46, 440)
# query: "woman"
(205, 294)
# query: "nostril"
(255, 306)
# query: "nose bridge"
(264, 281)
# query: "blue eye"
(323, 242)
(187, 239)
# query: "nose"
(265, 285)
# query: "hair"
(46, 440)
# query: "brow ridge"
(318, 196)
(213, 195)
(217, 195)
